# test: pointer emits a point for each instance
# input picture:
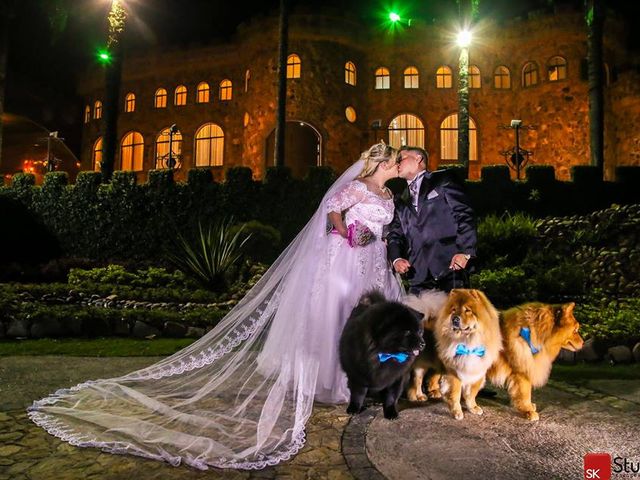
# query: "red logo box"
(597, 466)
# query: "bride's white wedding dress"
(240, 396)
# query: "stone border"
(354, 446)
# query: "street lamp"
(464, 41)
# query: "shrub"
(505, 287)
(504, 240)
(616, 322)
(263, 242)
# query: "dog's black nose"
(455, 321)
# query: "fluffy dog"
(533, 335)
(466, 333)
(378, 345)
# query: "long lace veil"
(237, 398)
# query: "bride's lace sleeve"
(354, 192)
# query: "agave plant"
(208, 257)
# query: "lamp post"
(463, 40)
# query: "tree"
(595, 17)
(281, 114)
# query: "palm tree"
(113, 77)
(4, 47)
(281, 114)
(595, 17)
(466, 9)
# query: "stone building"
(351, 84)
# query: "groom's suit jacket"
(443, 226)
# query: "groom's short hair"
(418, 150)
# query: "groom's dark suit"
(443, 226)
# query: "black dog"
(378, 345)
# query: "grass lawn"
(95, 347)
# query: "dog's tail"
(429, 303)
(372, 297)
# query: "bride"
(240, 396)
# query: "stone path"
(425, 443)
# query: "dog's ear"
(568, 308)
(419, 315)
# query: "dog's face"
(567, 327)
(467, 312)
(399, 330)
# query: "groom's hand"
(459, 261)
(401, 266)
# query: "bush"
(504, 240)
(505, 287)
(263, 242)
(152, 277)
(615, 322)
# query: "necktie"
(413, 191)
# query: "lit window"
(226, 90)
(87, 114)
(97, 110)
(294, 65)
(383, 80)
(202, 93)
(247, 77)
(97, 155)
(160, 99)
(162, 147)
(411, 77)
(529, 74)
(209, 145)
(449, 139)
(180, 96)
(502, 78)
(350, 73)
(557, 69)
(129, 102)
(350, 113)
(474, 77)
(406, 129)
(444, 78)
(131, 151)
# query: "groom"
(433, 235)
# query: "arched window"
(411, 77)
(502, 78)
(162, 147)
(130, 102)
(226, 90)
(202, 93)
(97, 110)
(557, 69)
(209, 145)
(529, 74)
(383, 80)
(350, 73)
(449, 139)
(180, 95)
(474, 77)
(247, 77)
(131, 150)
(406, 129)
(160, 99)
(96, 155)
(87, 114)
(294, 64)
(444, 77)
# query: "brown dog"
(533, 335)
(467, 342)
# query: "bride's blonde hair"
(378, 153)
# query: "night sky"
(51, 42)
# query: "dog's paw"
(476, 410)
(435, 394)
(457, 413)
(353, 409)
(390, 413)
(532, 416)
(533, 407)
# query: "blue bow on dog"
(462, 349)
(399, 357)
(526, 334)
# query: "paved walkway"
(425, 443)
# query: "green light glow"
(394, 17)
(104, 56)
